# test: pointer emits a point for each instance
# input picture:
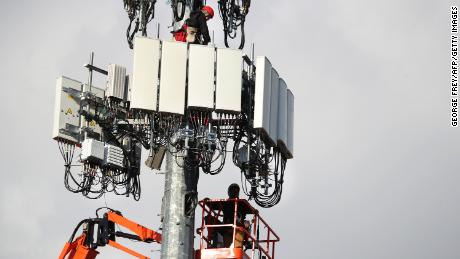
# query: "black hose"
(76, 229)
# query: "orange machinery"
(249, 238)
(84, 246)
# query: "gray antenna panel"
(201, 77)
(290, 110)
(282, 117)
(262, 98)
(144, 86)
(275, 85)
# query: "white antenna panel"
(116, 82)
(282, 116)
(229, 80)
(275, 84)
(144, 86)
(290, 113)
(172, 77)
(201, 77)
(262, 98)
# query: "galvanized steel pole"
(173, 224)
(178, 228)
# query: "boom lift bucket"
(240, 239)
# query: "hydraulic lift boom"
(84, 246)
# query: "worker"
(229, 218)
(195, 27)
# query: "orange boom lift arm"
(84, 246)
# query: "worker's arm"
(204, 29)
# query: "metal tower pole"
(180, 184)
(172, 244)
(178, 227)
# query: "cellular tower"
(192, 107)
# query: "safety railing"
(256, 233)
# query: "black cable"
(76, 229)
(178, 14)
(233, 14)
(107, 208)
(133, 9)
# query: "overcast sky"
(376, 169)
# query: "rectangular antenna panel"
(262, 98)
(290, 113)
(282, 117)
(172, 77)
(201, 77)
(275, 84)
(229, 80)
(146, 64)
(116, 82)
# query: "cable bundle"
(233, 14)
(133, 9)
(262, 169)
(178, 8)
(92, 181)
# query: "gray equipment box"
(66, 110)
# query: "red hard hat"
(208, 9)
